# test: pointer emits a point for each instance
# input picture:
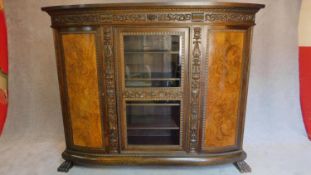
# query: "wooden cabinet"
(153, 83)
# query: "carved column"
(195, 87)
(110, 90)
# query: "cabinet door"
(152, 66)
(225, 89)
(79, 67)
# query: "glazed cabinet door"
(225, 88)
(80, 68)
(151, 86)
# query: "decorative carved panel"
(153, 94)
(174, 17)
(229, 17)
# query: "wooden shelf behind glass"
(151, 51)
(155, 125)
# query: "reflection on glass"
(153, 122)
(152, 60)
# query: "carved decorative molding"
(216, 15)
(175, 17)
(110, 90)
(153, 93)
(130, 17)
(195, 87)
(105, 18)
(233, 17)
(74, 19)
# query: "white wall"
(273, 111)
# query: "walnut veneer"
(155, 83)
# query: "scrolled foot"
(243, 167)
(65, 166)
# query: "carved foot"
(243, 167)
(65, 166)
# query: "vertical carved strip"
(195, 88)
(110, 90)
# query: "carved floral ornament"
(153, 94)
(208, 17)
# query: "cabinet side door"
(81, 86)
(226, 80)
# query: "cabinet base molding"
(153, 159)
(65, 166)
(243, 167)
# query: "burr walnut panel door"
(223, 89)
(83, 102)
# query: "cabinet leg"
(65, 166)
(243, 167)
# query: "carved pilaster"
(195, 87)
(110, 90)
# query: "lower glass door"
(153, 122)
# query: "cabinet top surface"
(179, 5)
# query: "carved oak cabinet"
(155, 83)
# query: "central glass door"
(152, 87)
(152, 60)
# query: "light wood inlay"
(82, 85)
(223, 87)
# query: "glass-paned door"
(152, 63)
(152, 60)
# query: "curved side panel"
(223, 92)
(82, 88)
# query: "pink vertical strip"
(3, 68)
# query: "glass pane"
(152, 60)
(153, 137)
(153, 122)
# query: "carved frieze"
(175, 17)
(212, 16)
(130, 17)
(75, 19)
(227, 17)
